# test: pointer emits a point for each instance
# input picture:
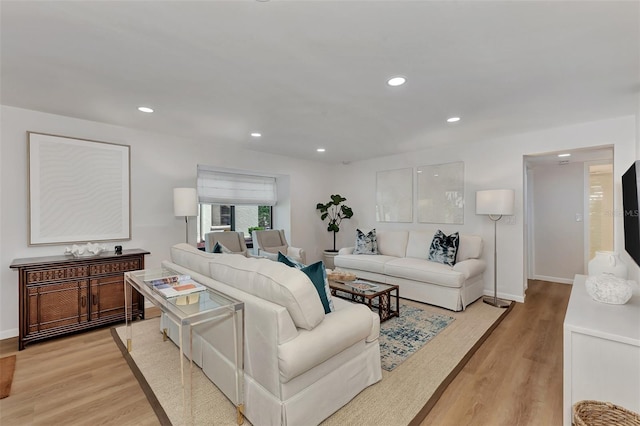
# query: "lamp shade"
(185, 202)
(495, 201)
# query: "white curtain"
(216, 187)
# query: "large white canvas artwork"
(441, 193)
(78, 190)
(394, 195)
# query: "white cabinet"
(601, 351)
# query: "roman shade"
(217, 187)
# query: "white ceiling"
(311, 74)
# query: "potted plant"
(335, 211)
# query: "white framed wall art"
(79, 190)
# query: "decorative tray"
(341, 276)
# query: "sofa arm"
(338, 331)
(346, 250)
(297, 253)
(470, 267)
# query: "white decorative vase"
(607, 262)
(607, 288)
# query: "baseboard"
(552, 279)
(8, 334)
(506, 296)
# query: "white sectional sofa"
(301, 364)
(403, 261)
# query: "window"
(234, 201)
(219, 217)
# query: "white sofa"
(403, 261)
(301, 364)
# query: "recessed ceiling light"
(396, 81)
(320, 149)
(256, 134)
(564, 155)
(145, 109)
(453, 119)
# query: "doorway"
(568, 211)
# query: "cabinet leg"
(129, 346)
(164, 334)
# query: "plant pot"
(327, 257)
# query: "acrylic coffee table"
(378, 299)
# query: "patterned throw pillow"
(444, 248)
(219, 248)
(318, 276)
(366, 243)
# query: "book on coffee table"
(177, 285)
(361, 285)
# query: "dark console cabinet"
(59, 295)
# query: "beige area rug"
(403, 396)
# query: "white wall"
(162, 162)
(489, 164)
(158, 164)
(558, 196)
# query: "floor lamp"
(495, 203)
(185, 203)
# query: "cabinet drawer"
(115, 267)
(57, 274)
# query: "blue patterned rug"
(401, 337)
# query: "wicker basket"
(597, 413)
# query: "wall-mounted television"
(630, 197)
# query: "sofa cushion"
(393, 243)
(470, 247)
(424, 271)
(444, 248)
(363, 262)
(277, 249)
(271, 239)
(190, 257)
(318, 276)
(366, 243)
(272, 281)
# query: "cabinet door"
(56, 305)
(107, 297)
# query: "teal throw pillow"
(318, 276)
(219, 248)
(289, 261)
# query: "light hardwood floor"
(515, 378)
